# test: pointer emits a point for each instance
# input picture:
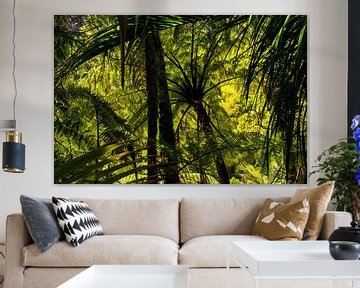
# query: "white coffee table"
(131, 276)
(293, 260)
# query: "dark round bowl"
(344, 250)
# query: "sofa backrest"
(200, 217)
(159, 217)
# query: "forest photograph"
(180, 99)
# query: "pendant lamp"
(13, 149)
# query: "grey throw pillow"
(41, 221)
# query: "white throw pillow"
(76, 220)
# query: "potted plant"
(341, 163)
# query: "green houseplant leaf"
(339, 163)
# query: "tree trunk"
(355, 203)
(97, 127)
(152, 108)
(122, 35)
(166, 126)
(206, 126)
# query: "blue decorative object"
(356, 134)
(355, 122)
(357, 175)
(355, 126)
(357, 147)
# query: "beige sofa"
(194, 232)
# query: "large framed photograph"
(180, 99)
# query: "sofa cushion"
(319, 198)
(211, 251)
(41, 221)
(201, 217)
(107, 249)
(77, 220)
(279, 221)
(158, 217)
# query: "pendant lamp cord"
(14, 59)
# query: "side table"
(293, 264)
(131, 276)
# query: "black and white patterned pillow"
(77, 220)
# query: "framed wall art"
(180, 99)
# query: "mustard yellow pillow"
(319, 198)
(279, 221)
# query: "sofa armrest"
(332, 220)
(17, 237)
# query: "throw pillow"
(279, 221)
(77, 220)
(319, 198)
(41, 222)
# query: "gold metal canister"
(14, 136)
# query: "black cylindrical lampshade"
(13, 155)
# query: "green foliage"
(277, 69)
(237, 90)
(339, 163)
(197, 178)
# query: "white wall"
(327, 48)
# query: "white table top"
(291, 259)
(131, 276)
